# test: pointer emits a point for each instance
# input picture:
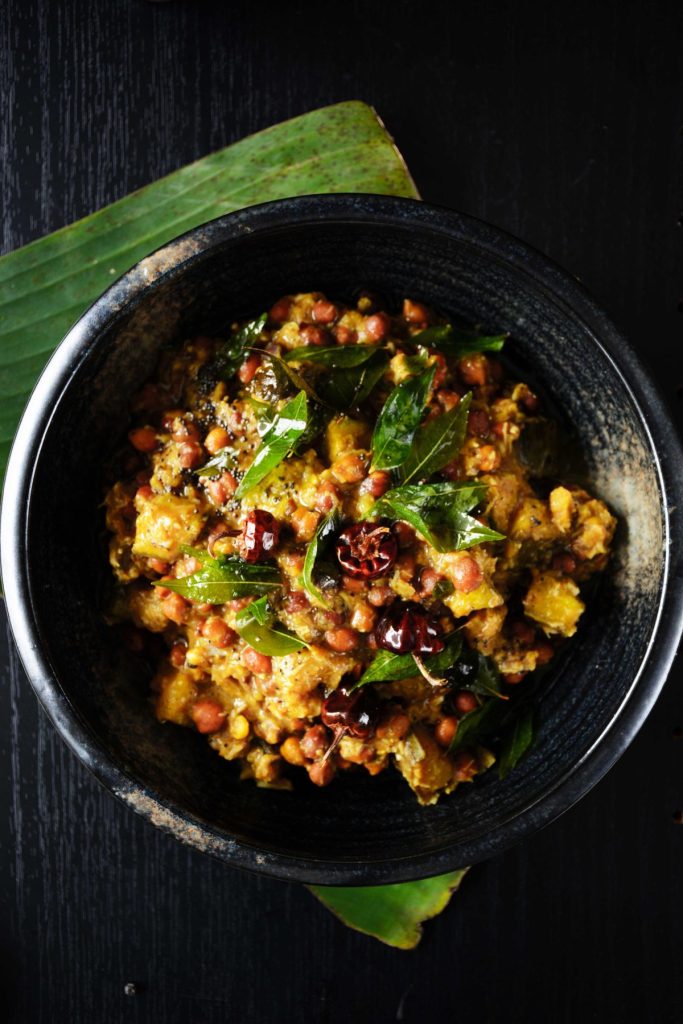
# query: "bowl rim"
(170, 260)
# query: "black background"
(560, 124)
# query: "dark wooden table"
(563, 127)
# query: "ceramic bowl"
(359, 830)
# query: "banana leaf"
(394, 914)
(47, 285)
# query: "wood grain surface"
(562, 125)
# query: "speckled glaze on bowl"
(359, 830)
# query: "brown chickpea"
(404, 533)
(297, 601)
(349, 469)
(144, 439)
(247, 370)
(310, 334)
(377, 326)
(473, 369)
(414, 312)
(466, 574)
(208, 716)
(394, 726)
(218, 632)
(428, 580)
(279, 313)
(464, 702)
(512, 678)
(342, 639)
(216, 439)
(259, 664)
(324, 311)
(327, 496)
(344, 335)
(376, 483)
(221, 489)
(524, 631)
(445, 729)
(314, 742)
(175, 608)
(564, 562)
(177, 655)
(478, 423)
(304, 523)
(190, 454)
(321, 773)
(545, 652)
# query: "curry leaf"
(516, 741)
(231, 355)
(439, 512)
(388, 667)
(325, 531)
(277, 442)
(254, 625)
(223, 460)
(479, 725)
(458, 341)
(286, 373)
(437, 443)
(398, 420)
(477, 673)
(265, 413)
(224, 579)
(348, 388)
(337, 357)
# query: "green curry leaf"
(325, 531)
(255, 625)
(221, 461)
(516, 741)
(265, 413)
(288, 375)
(224, 579)
(479, 725)
(399, 419)
(437, 443)
(458, 341)
(231, 355)
(389, 667)
(348, 388)
(477, 673)
(338, 357)
(276, 444)
(439, 512)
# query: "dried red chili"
(353, 711)
(407, 628)
(366, 550)
(260, 535)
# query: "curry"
(325, 530)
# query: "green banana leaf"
(47, 285)
(394, 914)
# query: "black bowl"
(359, 830)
